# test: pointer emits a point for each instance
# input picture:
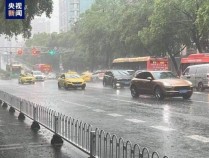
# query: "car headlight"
(190, 83)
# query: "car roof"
(120, 70)
(199, 65)
(152, 71)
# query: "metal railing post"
(92, 144)
(34, 113)
(21, 115)
(21, 105)
(35, 125)
(57, 139)
(56, 124)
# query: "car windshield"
(131, 72)
(72, 76)
(28, 74)
(37, 73)
(163, 75)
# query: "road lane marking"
(163, 128)
(98, 110)
(133, 102)
(9, 124)
(150, 105)
(198, 101)
(115, 95)
(201, 93)
(135, 120)
(9, 145)
(75, 104)
(21, 146)
(149, 97)
(10, 148)
(199, 138)
(115, 115)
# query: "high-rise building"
(63, 15)
(69, 12)
(74, 11)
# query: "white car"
(98, 75)
(39, 76)
(51, 75)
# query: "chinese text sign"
(15, 9)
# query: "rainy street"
(173, 127)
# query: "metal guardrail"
(95, 143)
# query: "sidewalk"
(17, 140)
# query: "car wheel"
(158, 93)
(104, 83)
(83, 87)
(200, 87)
(187, 96)
(66, 86)
(59, 87)
(134, 92)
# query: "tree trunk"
(196, 39)
(174, 63)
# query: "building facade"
(69, 12)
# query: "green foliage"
(41, 39)
(117, 28)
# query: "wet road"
(173, 127)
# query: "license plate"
(183, 91)
(77, 84)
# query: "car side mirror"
(149, 78)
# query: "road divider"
(94, 142)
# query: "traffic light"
(35, 52)
(19, 52)
(52, 52)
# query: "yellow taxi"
(26, 78)
(68, 80)
(87, 76)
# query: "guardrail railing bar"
(76, 132)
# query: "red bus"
(194, 59)
(45, 68)
(141, 63)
